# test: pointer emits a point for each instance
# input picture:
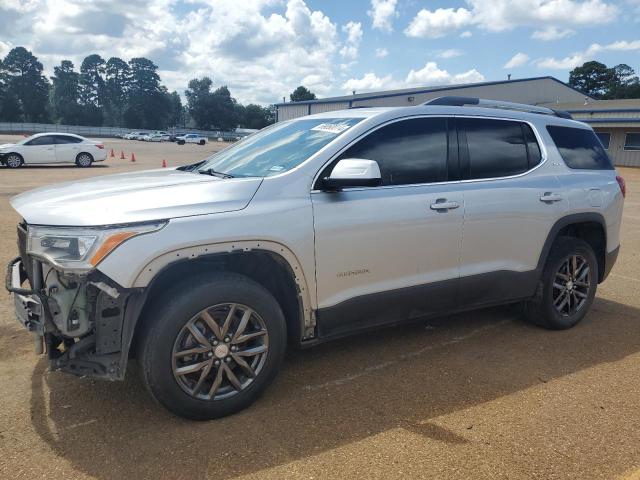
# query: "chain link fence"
(21, 128)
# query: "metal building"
(533, 91)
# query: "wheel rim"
(571, 285)
(84, 160)
(220, 351)
(13, 161)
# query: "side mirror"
(353, 172)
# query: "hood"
(6, 145)
(134, 197)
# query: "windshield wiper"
(213, 173)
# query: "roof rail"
(481, 102)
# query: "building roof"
(425, 89)
(604, 113)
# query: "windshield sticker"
(276, 168)
(334, 128)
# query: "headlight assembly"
(80, 249)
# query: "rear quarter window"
(580, 148)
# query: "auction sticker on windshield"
(331, 127)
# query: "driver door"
(387, 253)
(40, 150)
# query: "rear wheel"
(213, 346)
(568, 285)
(13, 160)
(201, 142)
(84, 160)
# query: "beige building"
(617, 122)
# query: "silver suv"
(310, 230)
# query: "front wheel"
(201, 142)
(13, 160)
(213, 346)
(568, 285)
(84, 160)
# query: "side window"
(580, 148)
(64, 139)
(45, 140)
(499, 148)
(408, 151)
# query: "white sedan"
(52, 148)
(191, 138)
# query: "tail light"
(100, 146)
(622, 184)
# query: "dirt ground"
(478, 395)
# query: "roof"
(419, 90)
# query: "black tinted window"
(46, 140)
(62, 139)
(580, 148)
(409, 151)
(605, 139)
(497, 148)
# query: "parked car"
(191, 138)
(132, 135)
(159, 137)
(52, 148)
(313, 229)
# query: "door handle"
(441, 204)
(549, 197)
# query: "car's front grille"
(22, 248)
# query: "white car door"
(39, 150)
(390, 252)
(67, 148)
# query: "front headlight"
(81, 249)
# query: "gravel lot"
(478, 395)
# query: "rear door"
(40, 150)
(67, 148)
(511, 202)
(388, 253)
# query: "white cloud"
(430, 74)
(437, 23)
(578, 58)
(450, 53)
(552, 33)
(381, 52)
(500, 15)
(382, 14)
(354, 37)
(370, 81)
(466, 34)
(517, 60)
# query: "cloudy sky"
(262, 49)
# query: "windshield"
(278, 148)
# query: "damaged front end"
(83, 320)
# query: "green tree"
(255, 116)
(92, 90)
(117, 77)
(64, 94)
(599, 81)
(301, 94)
(26, 89)
(148, 102)
(176, 114)
(199, 101)
(624, 83)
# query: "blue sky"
(262, 49)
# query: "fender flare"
(575, 218)
(153, 268)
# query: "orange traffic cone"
(164, 163)
(112, 155)
(133, 157)
(121, 155)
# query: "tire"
(84, 160)
(168, 332)
(561, 301)
(201, 142)
(13, 160)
